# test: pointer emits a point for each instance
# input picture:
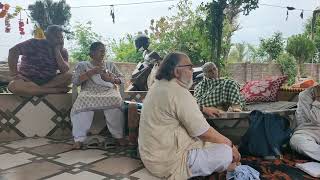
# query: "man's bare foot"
(233, 166)
(77, 145)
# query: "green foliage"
(316, 31)
(302, 48)
(252, 53)
(125, 50)
(289, 66)
(47, 12)
(188, 31)
(83, 38)
(238, 53)
(180, 32)
(243, 52)
(271, 47)
(215, 19)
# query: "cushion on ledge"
(265, 90)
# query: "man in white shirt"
(175, 140)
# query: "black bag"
(266, 134)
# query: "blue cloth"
(243, 172)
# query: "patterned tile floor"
(42, 158)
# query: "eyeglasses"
(187, 65)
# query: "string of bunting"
(4, 13)
(288, 8)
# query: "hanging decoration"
(7, 25)
(21, 26)
(112, 13)
(289, 9)
(4, 9)
(301, 14)
(11, 16)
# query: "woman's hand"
(95, 70)
(109, 77)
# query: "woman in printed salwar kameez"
(98, 80)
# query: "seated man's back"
(171, 123)
(306, 136)
(162, 133)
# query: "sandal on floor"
(77, 146)
(94, 143)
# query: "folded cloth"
(243, 172)
(98, 80)
(311, 168)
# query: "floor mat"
(271, 169)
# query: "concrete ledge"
(44, 116)
(34, 116)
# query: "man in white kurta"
(306, 137)
(175, 140)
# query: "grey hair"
(53, 29)
(207, 66)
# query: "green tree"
(288, 66)
(302, 48)
(272, 47)
(180, 32)
(238, 52)
(214, 22)
(252, 53)
(316, 33)
(47, 12)
(125, 50)
(187, 31)
(83, 38)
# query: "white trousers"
(306, 145)
(203, 162)
(82, 121)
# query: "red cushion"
(265, 90)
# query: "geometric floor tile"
(73, 157)
(113, 166)
(35, 120)
(41, 158)
(144, 174)
(3, 149)
(28, 143)
(12, 160)
(9, 136)
(85, 175)
(32, 171)
(52, 149)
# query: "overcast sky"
(261, 23)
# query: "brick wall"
(241, 72)
(126, 69)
